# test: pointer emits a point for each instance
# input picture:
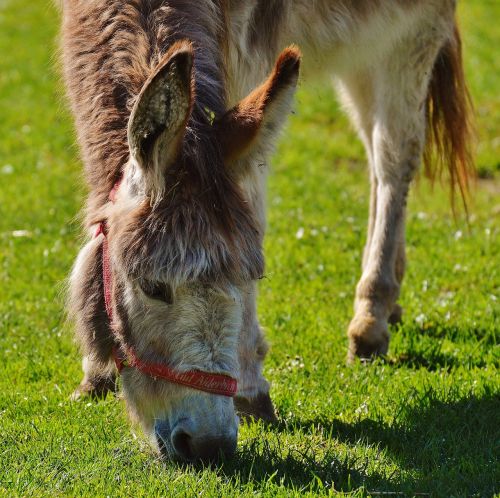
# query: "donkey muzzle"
(203, 435)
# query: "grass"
(425, 420)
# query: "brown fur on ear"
(238, 129)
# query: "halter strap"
(202, 381)
(214, 383)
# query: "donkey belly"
(340, 38)
(344, 40)
(335, 36)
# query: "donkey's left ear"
(254, 124)
(158, 120)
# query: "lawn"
(426, 420)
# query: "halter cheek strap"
(124, 356)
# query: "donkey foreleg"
(98, 379)
(93, 332)
(253, 399)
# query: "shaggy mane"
(129, 38)
(203, 219)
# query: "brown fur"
(449, 114)
(203, 206)
(238, 129)
(128, 39)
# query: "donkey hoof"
(368, 337)
(259, 408)
(95, 390)
(396, 315)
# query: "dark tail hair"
(450, 130)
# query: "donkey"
(178, 105)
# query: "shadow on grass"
(433, 360)
(424, 349)
(440, 449)
(438, 330)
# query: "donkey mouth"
(181, 443)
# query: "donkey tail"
(450, 130)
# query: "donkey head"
(185, 244)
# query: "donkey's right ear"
(158, 120)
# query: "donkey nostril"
(182, 443)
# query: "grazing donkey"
(176, 129)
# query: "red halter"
(126, 357)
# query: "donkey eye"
(157, 290)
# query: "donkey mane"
(203, 217)
(131, 37)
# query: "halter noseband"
(125, 356)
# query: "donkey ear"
(158, 120)
(254, 124)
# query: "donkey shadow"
(432, 359)
(441, 449)
(430, 353)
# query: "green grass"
(426, 420)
